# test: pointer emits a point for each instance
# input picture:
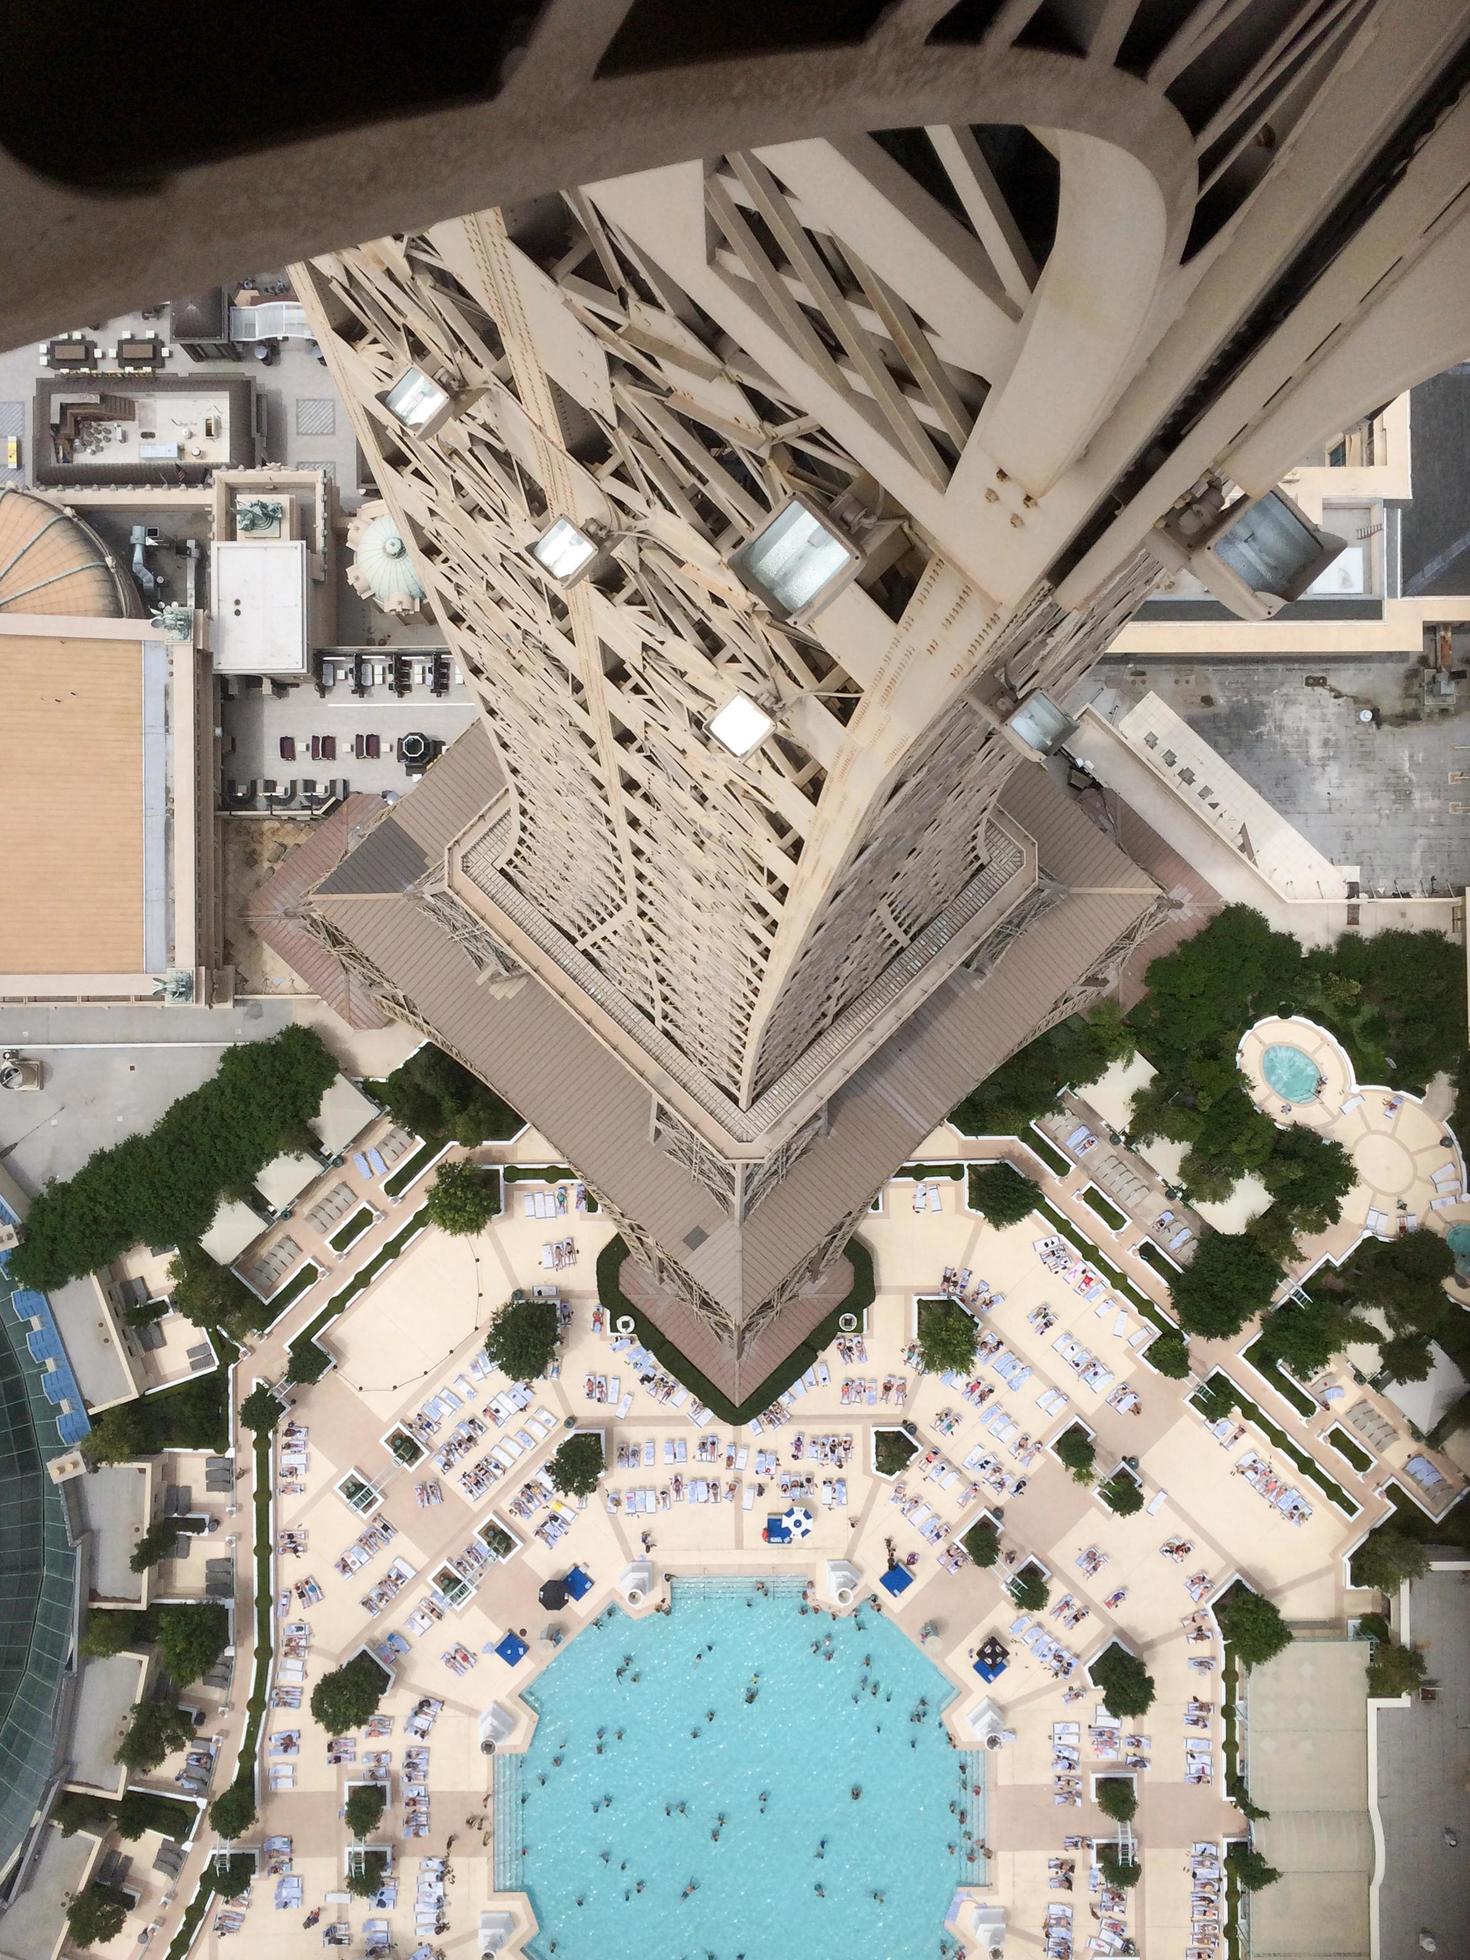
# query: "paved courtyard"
(1062, 1340)
(1390, 797)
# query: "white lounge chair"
(1156, 1503)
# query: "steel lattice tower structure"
(773, 500)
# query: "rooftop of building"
(83, 801)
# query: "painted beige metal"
(872, 311)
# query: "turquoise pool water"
(1294, 1076)
(1457, 1238)
(793, 1733)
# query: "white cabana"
(344, 1115)
(842, 1579)
(233, 1227)
(286, 1177)
(636, 1583)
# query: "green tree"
(308, 1363)
(163, 1186)
(1229, 1280)
(191, 1639)
(462, 1200)
(432, 1095)
(156, 1544)
(1309, 1176)
(113, 1633)
(1075, 1052)
(1395, 1670)
(1117, 1868)
(156, 1730)
(1030, 1591)
(1373, 1626)
(1405, 1278)
(1077, 1450)
(74, 1811)
(233, 1810)
(231, 1876)
(522, 1338)
(1407, 1357)
(1253, 1625)
(345, 1698)
(96, 1916)
(366, 1803)
(1122, 1495)
(576, 1467)
(120, 1435)
(367, 1874)
(213, 1297)
(947, 1337)
(1305, 1335)
(982, 1542)
(144, 1810)
(1169, 1354)
(1388, 1558)
(261, 1409)
(1126, 1684)
(1250, 1867)
(1001, 1193)
(1116, 1798)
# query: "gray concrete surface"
(110, 1071)
(112, 1504)
(1423, 1759)
(1435, 533)
(95, 1361)
(256, 721)
(106, 1691)
(295, 437)
(1380, 797)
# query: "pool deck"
(418, 1329)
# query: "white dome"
(382, 569)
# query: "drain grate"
(316, 416)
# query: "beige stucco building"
(772, 500)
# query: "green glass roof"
(36, 1598)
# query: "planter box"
(486, 1533)
(358, 1493)
(359, 1225)
(406, 1462)
(1104, 1210)
(889, 1430)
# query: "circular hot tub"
(1291, 1073)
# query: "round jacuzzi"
(1291, 1073)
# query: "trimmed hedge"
(1106, 1210)
(859, 1299)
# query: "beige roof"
(1307, 1764)
(345, 1113)
(286, 1177)
(548, 1064)
(50, 562)
(72, 805)
(231, 1229)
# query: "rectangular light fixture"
(741, 725)
(418, 403)
(1041, 724)
(564, 551)
(796, 562)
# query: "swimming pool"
(1457, 1238)
(627, 1762)
(1294, 1076)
